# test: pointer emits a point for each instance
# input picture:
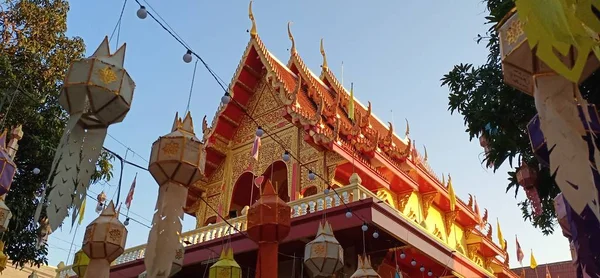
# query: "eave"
(485, 245)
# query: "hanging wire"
(14, 94)
(117, 28)
(187, 107)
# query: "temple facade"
(319, 139)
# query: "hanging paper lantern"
(101, 198)
(7, 166)
(97, 92)
(80, 263)
(5, 215)
(226, 266)
(520, 63)
(104, 241)
(560, 207)
(364, 269)
(3, 257)
(324, 255)
(175, 164)
(527, 178)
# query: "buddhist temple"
(328, 157)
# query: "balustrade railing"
(307, 205)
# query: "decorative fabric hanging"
(103, 242)
(7, 167)
(97, 92)
(177, 263)
(80, 263)
(364, 269)
(226, 266)
(175, 165)
(564, 133)
(324, 255)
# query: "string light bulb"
(422, 268)
(260, 132)
(126, 221)
(226, 98)
(429, 273)
(348, 214)
(326, 191)
(36, 171)
(286, 156)
(375, 234)
(364, 227)
(311, 175)
(142, 13)
(187, 57)
(413, 262)
(402, 255)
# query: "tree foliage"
(480, 95)
(34, 56)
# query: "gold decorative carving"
(115, 235)
(317, 168)
(387, 196)
(514, 31)
(107, 75)
(450, 217)
(437, 232)
(403, 200)
(459, 248)
(331, 173)
(468, 230)
(333, 158)
(472, 250)
(426, 200)
(171, 148)
(179, 254)
(412, 215)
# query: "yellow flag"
(533, 263)
(452, 194)
(351, 103)
(81, 211)
(500, 237)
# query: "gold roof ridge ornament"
(253, 31)
(293, 48)
(324, 65)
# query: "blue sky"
(395, 54)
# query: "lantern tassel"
(163, 240)
(564, 131)
(90, 152)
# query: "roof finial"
(323, 54)
(407, 129)
(293, 49)
(253, 31)
(425, 155)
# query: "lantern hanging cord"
(187, 107)
(117, 28)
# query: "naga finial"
(293, 48)
(425, 154)
(407, 129)
(323, 54)
(253, 31)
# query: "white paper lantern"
(324, 255)
(364, 269)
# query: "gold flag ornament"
(553, 28)
(97, 92)
(82, 211)
(351, 103)
(452, 194)
(500, 236)
(533, 264)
